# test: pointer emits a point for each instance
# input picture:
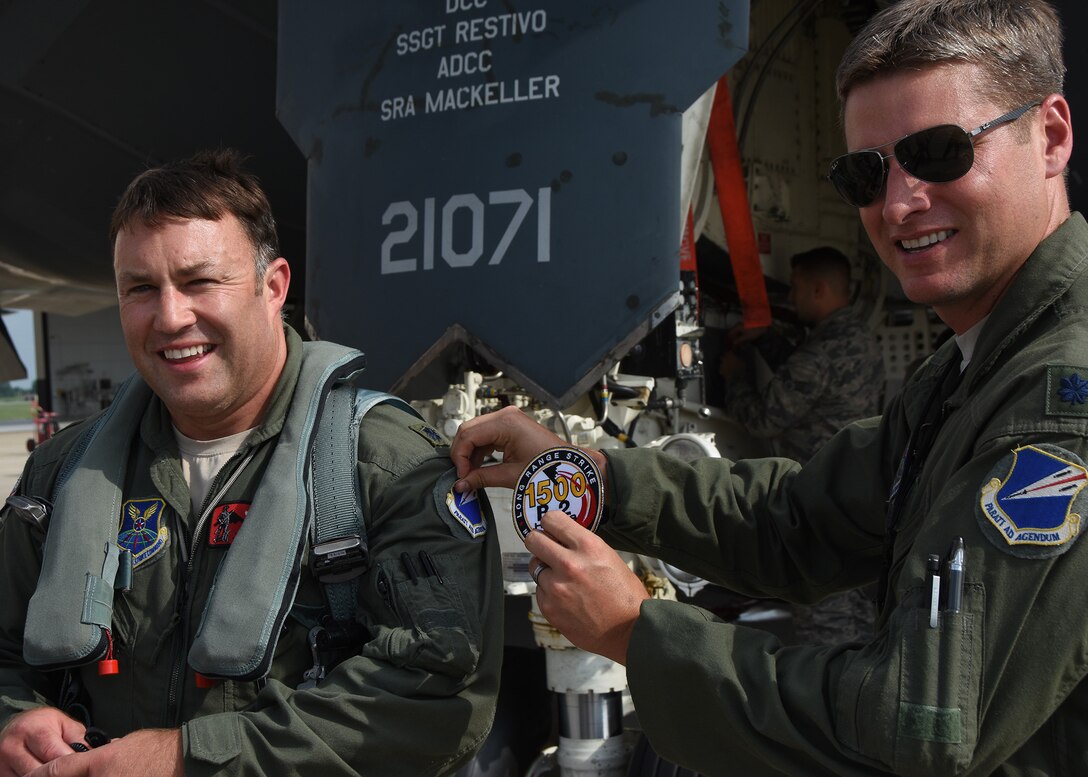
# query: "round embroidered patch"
(1031, 504)
(563, 479)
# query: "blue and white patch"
(1032, 504)
(465, 508)
(142, 532)
(459, 511)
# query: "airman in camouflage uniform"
(832, 379)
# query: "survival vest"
(310, 488)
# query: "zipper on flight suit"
(385, 588)
(919, 445)
(182, 602)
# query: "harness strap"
(71, 611)
(340, 550)
(310, 492)
(255, 585)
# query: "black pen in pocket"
(956, 569)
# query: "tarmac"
(13, 454)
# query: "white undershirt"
(201, 461)
(967, 342)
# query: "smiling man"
(963, 502)
(202, 327)
(244, 565)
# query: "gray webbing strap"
(340, 542)
(340, 547)
(72, 607)
(255, 585)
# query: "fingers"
(479, 436)
(546, 546)
(17, 765)
(37, 737)
(467, 451)
(563, 530)
(45, 746)
(561, 544)
(584, 588)
(536, 568)
(508, 430)
(503, 475)
(542, 548)
(466, 455)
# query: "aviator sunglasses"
(936, 155)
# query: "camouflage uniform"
(834, 377)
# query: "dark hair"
(826, 263)
(207, 185)
(1016, 43)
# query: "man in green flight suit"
(227, 632)
(958, 138)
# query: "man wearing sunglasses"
(963, 502)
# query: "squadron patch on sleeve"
(1032, 503)
(141, 532)
(459, 511)
(1066, 390)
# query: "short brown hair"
(207, 185)
(827, 264)
(1016, 43)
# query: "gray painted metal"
(93, 93)
(11, 366)
(498, 178)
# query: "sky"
(20, 325)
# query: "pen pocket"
(910, 698)
(423, 621)
(940, 675)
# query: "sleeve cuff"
(211, 740)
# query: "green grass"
(15, 410)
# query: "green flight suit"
(416, 698)
(997, 688)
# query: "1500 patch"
(1031, 506)
(563, 479)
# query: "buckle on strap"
(33, 511)
(343, 558)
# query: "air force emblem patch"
(141, 532)
(1032, 504)
(465, 508)
(461, 512)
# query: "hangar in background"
(92, 93)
